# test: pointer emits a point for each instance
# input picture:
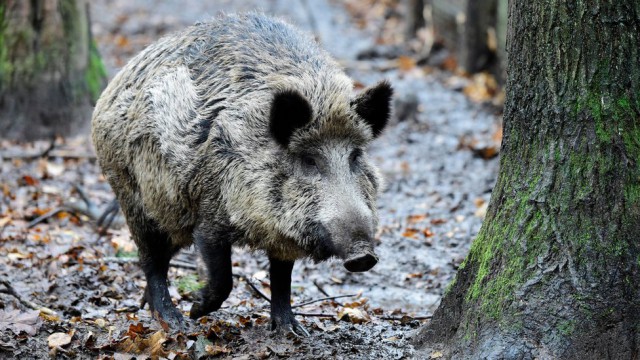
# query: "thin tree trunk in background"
(555, 269)
(415, 17)
(475, 54)
(50, 69)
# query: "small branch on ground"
(323, 299)
(46, 216)
(50, 153)
(11, 291)
(321, 289)
(108, 216)
(46, 152)
(135, 260)
(104, 219)
(255, 289)
(314, 315)
(388, 318)
(395, 318)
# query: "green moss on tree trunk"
(555, 270)
(50, 69)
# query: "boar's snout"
(352, 226)
(361, 262)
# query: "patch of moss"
(96, 74)
(188, 284)
(566, 327)
(126, 254)
(5, 64)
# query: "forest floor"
(438, 159)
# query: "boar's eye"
(309, 162)
(355, 155)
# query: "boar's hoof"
(290, 327)
(170, 319)
(361, 262)
(203, 308)
(163, 311)
(197, 311)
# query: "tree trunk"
(554, 271)
(414, 17)
(475, 54)
(50, 69)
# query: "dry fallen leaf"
(16, 321)
(355, 316)
(53, 169)
(482, 88)
(4, 221)
(411, 233)
(450, 64)
(215, 350)
(413, 275)
(481, 212)
(406, 63)
(137, 329)
(50, 317)
(30, 180)
(427, 232)
(358, 303)
(58, 339)
(156, 344)
(412, 219)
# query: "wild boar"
(241, 131)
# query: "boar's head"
(327, 187)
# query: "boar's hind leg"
(282, 318)
(155, 252)
(217, 257)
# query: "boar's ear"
(289, 112)
(374, 106)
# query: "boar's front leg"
(282, 318)
(216, 254)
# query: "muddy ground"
(437, 158)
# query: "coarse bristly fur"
(242, 124)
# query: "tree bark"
(555, 269)
(50, 69)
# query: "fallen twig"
(388, 318)
(87, 208)
(83, 195)
(50, 153)
(323, 299)
(315, 314)
(315, 282)
(46, 152)
(11, 291)
(107, 217)
(135, 260)
(404, 318)
(321, 289)
(46, 216)
(255, 289)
